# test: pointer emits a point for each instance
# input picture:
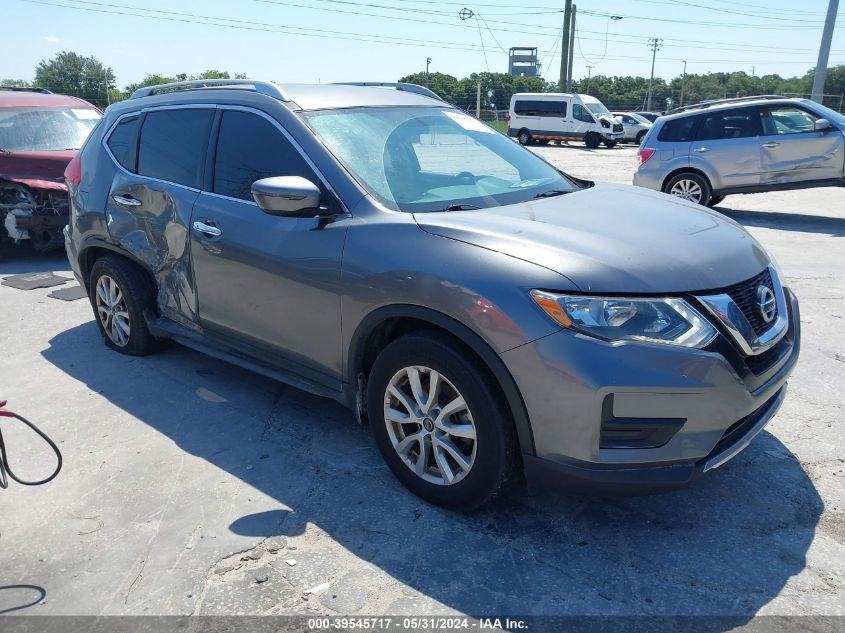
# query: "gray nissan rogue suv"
(480, 310)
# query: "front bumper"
(633, 417)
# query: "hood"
(613, 239)
(41, 170)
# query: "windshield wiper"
(459, 207)
(551, 193)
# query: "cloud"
(51, 38)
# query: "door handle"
(126, 201)
(701, 150)
(207, 230)
(771, 144)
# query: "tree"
(72, 74)
(17, 83)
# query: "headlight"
(668, 320)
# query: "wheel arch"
(385, 324)
(94, 249)
(692, 170)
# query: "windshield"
(830, 115)
(639, 117)
(429, 159)
(597, 108)
(31, 129)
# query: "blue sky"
(381, 40)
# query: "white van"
(558, 116)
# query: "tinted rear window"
(123, 142)
(173, 145)
(729, 124)
(250, 148)
(540, 108)
(677, 130)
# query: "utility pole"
(654, 43)
(589, 72)
(427, 64)
(571, 48)
(683, 81)
(478, 101)
(564, 46)
(824, 51)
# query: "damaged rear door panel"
(146, 215)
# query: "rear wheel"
(689, 186)
(440, 421)
(640, 137)
(610, 144)
(525, 137)
(120, 294)
(592, 140)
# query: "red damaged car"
(39, 134)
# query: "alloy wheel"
(687, 189)
(112, 312)
(430, 425)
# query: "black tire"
(138, 296)
(543, 142)
(640, 137)
(494, 449)
(691, 182)
(610, 144)
(524, 137)
(715, 200)
(592, 140)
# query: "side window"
(250, 148)
(123, 141)
(677, 130)
(787, 120)
(173, 145)
(540, 108)
(580, 113)
(729, 124)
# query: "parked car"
(549, 116)
(634, 126)
(745, 145)
(479, 309)
(39, 134)
(650, 116)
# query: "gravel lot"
(193, 487)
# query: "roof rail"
(43, 91)
(262, 87)
(715, 102)
(420, 90)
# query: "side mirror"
(285, 195)
(822, 125)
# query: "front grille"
(745, 296)
(617, 127)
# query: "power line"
(190, 18)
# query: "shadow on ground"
(801, 222)
(726, 546)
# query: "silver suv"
(747, 145)
(480, 310)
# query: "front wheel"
(610, 144)
(689, 186)
(640, 137)
(592, 140)
(440, 421)
(715, 200)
